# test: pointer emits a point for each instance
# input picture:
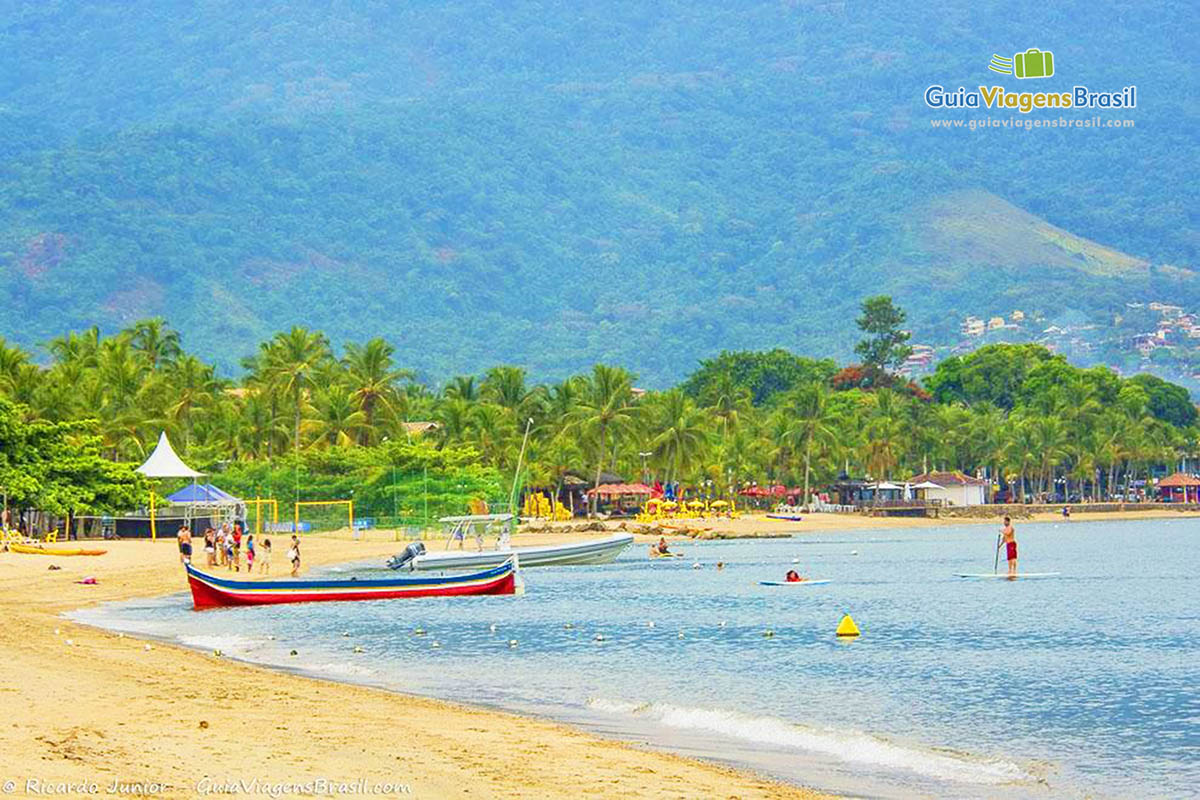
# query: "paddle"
(996, 565)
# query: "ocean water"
(1085, 685)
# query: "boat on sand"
(210, 591)
(37, 549)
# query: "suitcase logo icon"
(1033, 63)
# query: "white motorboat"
(593, 551)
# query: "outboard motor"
(401, 560)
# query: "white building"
(953, 488)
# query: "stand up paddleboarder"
(1008, 538)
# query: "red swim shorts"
(1012, 550)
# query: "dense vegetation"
(57, 467)
(309, 421)
(554, 185)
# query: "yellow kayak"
(54, 551)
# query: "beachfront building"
(1179, 488)
(953, 488)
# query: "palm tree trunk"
(807, 461)
(599, 467)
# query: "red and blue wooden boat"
(209, 591)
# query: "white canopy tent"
(164, 463)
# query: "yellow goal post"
(349, 510)
(257, 504)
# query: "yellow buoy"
(847, 627)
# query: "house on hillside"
(973, 326)
(418, 428)
(954, 488)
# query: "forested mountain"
(553, 184)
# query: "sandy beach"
(90, 707)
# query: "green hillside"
(552, 185)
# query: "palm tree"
(291, 359)
(462, 387)
(77, 348)
(884, 434)
(678, 431)
(337, 419)
(192, 385)
(454, 420)
(370, 371)
(1050, 437)
(494, 433)
(605, 408)
(952, 426)
(727, 401)
(1021, 450)
(813, 423)
(156, 340)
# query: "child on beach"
(210, 547)
(264, 565)
(294, 555)
(250, 553)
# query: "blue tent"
(202, 494)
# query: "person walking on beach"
(210, 547)
(1008, 538)
(237, 547)
(294, 555)
(185, 544)
(264, 565)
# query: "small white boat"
(593, 551)
(806, 582)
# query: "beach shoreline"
(94, 707)
(757, 525)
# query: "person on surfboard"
(660, 549)
(1008, 538)
(793, 576)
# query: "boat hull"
(596, 551)
(209, 591)
(33, 549)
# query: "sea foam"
(850, 746)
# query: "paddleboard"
(1005, 576)
(815, 582)
(667, 555)
(788, 517)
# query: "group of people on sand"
(224, 548)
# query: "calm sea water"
(1087, 685)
